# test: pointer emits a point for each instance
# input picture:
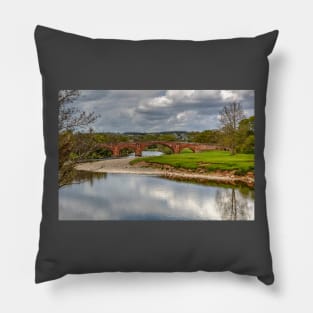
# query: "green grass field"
(209, 160)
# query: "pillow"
(154, 155)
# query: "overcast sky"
(160, 110)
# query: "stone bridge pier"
(138, 150)
(115, 151)
(176, 148)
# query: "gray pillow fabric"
(93, 223)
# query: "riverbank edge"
(144, 168)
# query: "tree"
(231, 206)
(246, 135)
(210, 136)
(70, 117)
(72, 147)
(230, 117)
(167, 137)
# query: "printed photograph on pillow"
(156, 155)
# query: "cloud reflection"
(136, 197)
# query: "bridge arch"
(119, 148)
(122, 151)
(181, 148)
(145, 145)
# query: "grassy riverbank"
(209, 161)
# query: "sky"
(160, 110)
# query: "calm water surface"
(147, 153)
(139, 197)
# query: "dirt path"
(121, 165)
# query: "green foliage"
(72, 148)
(247, 146)
(206, 136)
(146, 137)
(110, 137)
(98, 154)
(167, 137)
(247, 125)
(245, 136)
(164, 149)
(209, 160)
(239, 138)
(125, 152)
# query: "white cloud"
(160, 110)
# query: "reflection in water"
(232, 206)
(140, 197)
(83, 176)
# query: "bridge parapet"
(176, 147)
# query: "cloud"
(160, 110)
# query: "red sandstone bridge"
(138, 147)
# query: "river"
(100, 196)
(146, 153)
